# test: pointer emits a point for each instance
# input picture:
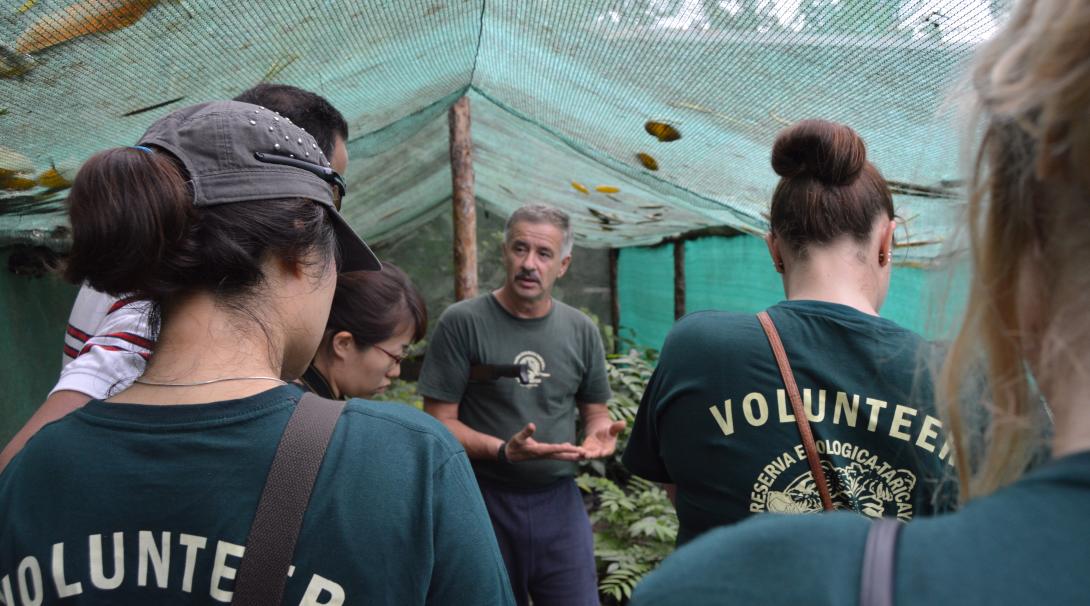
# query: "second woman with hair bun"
(375, 317)
(716, 421)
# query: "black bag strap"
(879, 555)
(263, 572)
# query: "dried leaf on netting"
(151, 107)
(53, 179)
(662, 131)
(607, 189)
(579, 187)
(603, 218)
(81, 19)
(13, 64)
(648, 162)
(16, 183)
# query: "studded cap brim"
(217, 141)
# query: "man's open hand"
(603, 441)
(523, 447)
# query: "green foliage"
(635, 524)
(402, 392)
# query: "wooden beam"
(614, 299)
(465, 206)
(679, 279)
(716, 231)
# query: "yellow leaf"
(579, 187)
(80, 19)
(607, 189)
(662, 131)
(53, 179)
(648, 162)
(14, 183)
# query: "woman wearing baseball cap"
(224, 217)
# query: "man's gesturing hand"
(602, 441)
(523, 447)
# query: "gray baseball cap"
(238, 152)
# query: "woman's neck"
(834, 274)
(201, 341)
(324, 367)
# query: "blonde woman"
(1021, 536)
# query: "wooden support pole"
(465, 206)
(679, 279)
(614, 299)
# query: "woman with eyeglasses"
(375, 317)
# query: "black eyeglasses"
(323, 172)
(396, 358)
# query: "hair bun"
(829, 152)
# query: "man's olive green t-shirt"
(715, 418)
(566, 360)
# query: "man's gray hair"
(541, 213)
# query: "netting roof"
(561, 93)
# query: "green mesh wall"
(736, 274)
(35, 312)
(560, 92)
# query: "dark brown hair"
(309, 111)
(373, 305)
(136, 232)
(827, 186)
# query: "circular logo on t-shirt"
(535, 365)
(863, 483)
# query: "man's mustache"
(527, 275)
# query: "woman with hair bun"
(717, 424)
(1020, 536)
(376, 316)
(224, 218)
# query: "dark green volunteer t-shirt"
(567, 367)
(716, 420)
(136, 504)
(1026, 544)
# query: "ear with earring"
(779, 267)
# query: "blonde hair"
(1029, 203)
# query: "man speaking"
(521, 435)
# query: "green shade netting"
(560, 92)
(736, 274)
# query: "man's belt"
(486, 373)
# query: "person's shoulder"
(393, 419)
(767, 559)
(712, 328)
(466, 309)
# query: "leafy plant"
(635, 524)
(403, 392)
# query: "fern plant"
(634, 523)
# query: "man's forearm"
(478, 445)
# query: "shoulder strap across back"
(796, 405)
(263, 572)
